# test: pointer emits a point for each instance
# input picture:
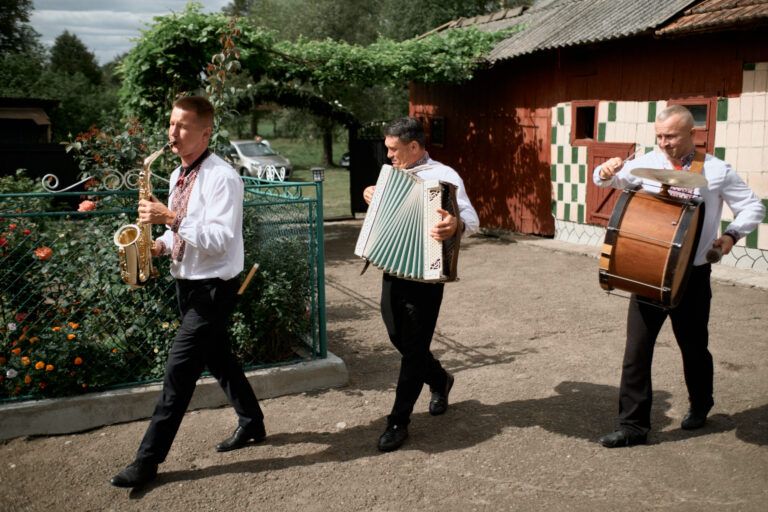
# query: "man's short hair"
(407, 129)
(677, 110)
(199, 105)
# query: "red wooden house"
(579, 81)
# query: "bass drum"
(649, 244)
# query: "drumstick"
(248, 278)
(714, 255)
(631, 156)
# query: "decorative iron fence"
(69, 325)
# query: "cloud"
(107, 31)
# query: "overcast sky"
(104, 26)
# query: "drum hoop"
(674, 254)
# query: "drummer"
(674, 135)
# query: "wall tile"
(761, 81)
(748, 84)
(720, 133)
(758, 107)
(734, 109)
(602, 112)
(732, 135)
(746, 113)
(758, 134)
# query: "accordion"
(395, 234)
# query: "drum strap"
(698, 162)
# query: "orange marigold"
(73, 325)
(42, 385)
(27, 379)
(78, 361)
(39, 365)
(25, 360)
(49, 367)
(56, 329)
(70, 336)
(22, 337)
(114, 350)
(84, 384)
(16, 350)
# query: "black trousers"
(689, 324)
(410, 310)
(202, 340)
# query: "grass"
(307, 154)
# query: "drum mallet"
(714, 255)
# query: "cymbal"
(682, 179)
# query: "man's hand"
(724, 243)
(156, 249)
(446, 228)
(155, 212)
(368, 194)
(610, 168)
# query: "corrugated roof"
(718, 14)
(560, 23)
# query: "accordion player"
(395, 235)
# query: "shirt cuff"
(177, 223)
(733, 234)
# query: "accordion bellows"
(395, 233)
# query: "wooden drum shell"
(649, 244)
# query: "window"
(583, 122)
(437, 131)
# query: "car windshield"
(255, 149)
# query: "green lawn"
(305, 155)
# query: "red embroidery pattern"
(179, 205)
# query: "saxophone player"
(204, 239)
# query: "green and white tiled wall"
(741, 138)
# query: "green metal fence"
(69, 325)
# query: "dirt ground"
(536, 348)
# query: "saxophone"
(134, 241)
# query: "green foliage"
(101, 151)
(274, 312)
(82, 103)
(69, 55)
(15, 35)
(170, 57)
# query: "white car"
(251, 158)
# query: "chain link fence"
(69, 325)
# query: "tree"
(15, 35)
(69, 55)
(174, 54)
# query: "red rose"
(43, 253)
(26, 231)
(3, 242)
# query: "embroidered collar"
(187, 170)
(421, 161)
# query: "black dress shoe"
(439, 402)
(620, 438)
(393, 438)
(135, 475)
(241, 437)
(693, 420)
